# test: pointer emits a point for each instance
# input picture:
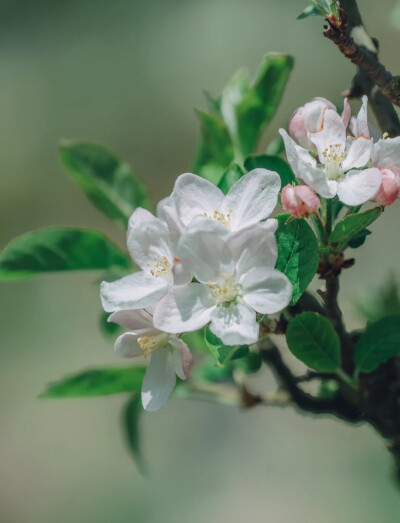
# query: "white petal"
(127, 346)
(183, 359)
(386, 153)
(148, 242)
(358, 154)
(194, 195)
(304, 167)
(134, 320)
(359, 186)
(313, 113)
(140, 216)
(253, 247)
(184, 309)
(235, 325)
(252, 198)
(204, 252)
(159, 380)
(333, 133)
(167, 212)
(135, 291)
(270, 225)
(346, 114)
(266, 290)
(362, 120)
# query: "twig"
(351, 37)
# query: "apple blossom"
(168, 355)
(250, 200)
(151, 249)
(338, 170)
(299, 200)
(235, 278)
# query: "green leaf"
(313, 340)
(359, 239)
(97, 382)
(261, 101)
(131, 413)
(223, 354)
(272, 163)
(249, 364)
(230, 177)
(310, 10)
(108, 183)
(60, 249)
(378, 343)
(215, 151)
(298, 255)
(352, 225)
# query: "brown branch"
(351, 37)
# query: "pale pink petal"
(136, 291)
(134, 320)
(159, 380)
(346, 114)
(359, 186)
(183, 359)
(235, 324)
(184, 309)
(252, 198)
(127, 346)
(266, 290)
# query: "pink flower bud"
(390, 187)
(297, 129)
(308, 118)
(299, 200)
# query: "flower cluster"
(340, 155)
(207, 258)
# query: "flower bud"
(299, 200)
(390, 186)
(308, 118)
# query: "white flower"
(337, 172)
(250, 200)
(169, 356)
(151, 249)
(386, 153)
(235, 278)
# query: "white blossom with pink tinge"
(168, 355)
(299, 200)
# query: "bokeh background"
(128, 74)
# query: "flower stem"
(328, 216)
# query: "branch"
(336, 406)
(351, 37)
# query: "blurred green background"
(128, 74)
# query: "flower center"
(333, 161)
(220, 217)
(150, 344)
(161, 267)
(225, 291)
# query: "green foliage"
(320, 8)
(359, 239)
(378, 343)
(260, 103)
(234, 122)
(131, 414)
(108, 183)
(249, 364)
(313, 340)
(223, 354)
(298, 255)
(272, 163)
(230, 176)
(97, 382)
(215, 152)
(352, 226)
(60, 249)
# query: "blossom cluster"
(206, 258)
(337, 154)
(209, 258)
